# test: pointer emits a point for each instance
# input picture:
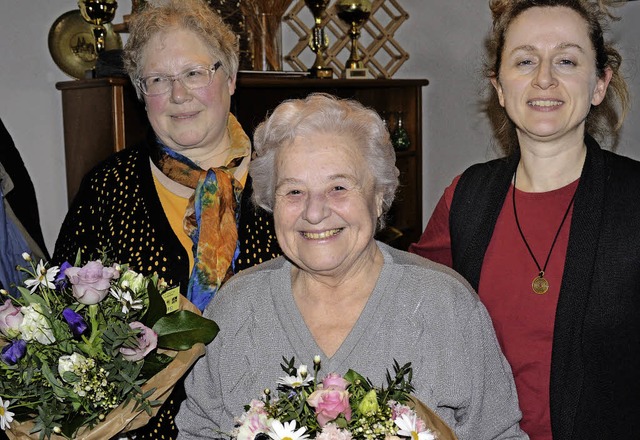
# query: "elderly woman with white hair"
(326, 169)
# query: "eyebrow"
(334, 177)
(562, 46)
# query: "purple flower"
(10, 319)
(75, 321)
(147, 341)
(13, 352)
(91, 282)
(61, 279)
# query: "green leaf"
(57, 387)
(154, 363)
(354, 378)
(182, 329)
(157, 307)
(31, 298)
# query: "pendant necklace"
(540, 285)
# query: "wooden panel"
(100, 116)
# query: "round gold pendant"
(540, 285)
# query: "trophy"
(318, 41)
(354, 13)
(98, 13)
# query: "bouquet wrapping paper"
(433, 421)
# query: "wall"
(443, 38)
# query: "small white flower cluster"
(90, 381)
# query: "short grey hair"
(323, 113)
(197, 16)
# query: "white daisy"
(408, 428)
(125, 298)
(286, 431)
(295, 381)
(6, 416)
(301, 379)
(44, 277)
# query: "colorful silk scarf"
(211, 220)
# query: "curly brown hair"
(605, 120)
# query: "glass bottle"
(400, 136)
(385, 119)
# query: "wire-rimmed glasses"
(191, 79)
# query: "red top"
(523, 320)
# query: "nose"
(316, 208)
(544, 76)
(179, 93)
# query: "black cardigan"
(118, 208)
(595, 368)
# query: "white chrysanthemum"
(6, 416)
(286, 431)
(44, 277)
(125, 298)
(408, 428)
(35, 325)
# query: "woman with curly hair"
(548, 235)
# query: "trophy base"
(359, 73)
(321, 72)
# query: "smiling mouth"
(184, 115)
(321, 235)
(545, 103)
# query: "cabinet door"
(100, 116)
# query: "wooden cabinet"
(103, 115)
(256, 96)
(100, 116)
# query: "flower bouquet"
(339, 408)
(90, 351)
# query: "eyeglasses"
(192, 79)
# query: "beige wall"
(443, 38)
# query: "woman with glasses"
(172, 204)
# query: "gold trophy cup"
(318, 41)
(354, 13)
(98, 13)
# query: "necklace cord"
(515, 214)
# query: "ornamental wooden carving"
(381, 53)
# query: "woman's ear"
(232, 84)
(602, 84)
(495, 82)
(379, 200)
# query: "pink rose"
(147, 341)
(91, 283)
(334, 381)
(10, 319)
(329, 404)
